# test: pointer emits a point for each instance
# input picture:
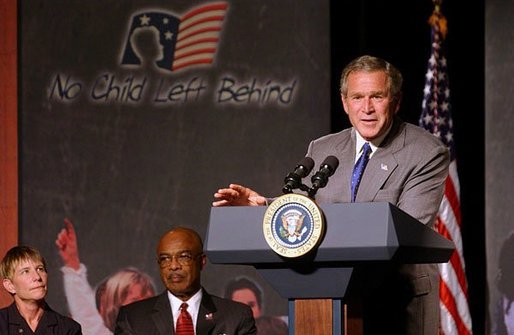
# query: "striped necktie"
(358, 169)
(184, 322)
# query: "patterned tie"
(184, 322)
(358, 169)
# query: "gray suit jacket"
(408, 170)
(216, 316)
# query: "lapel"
(343, 175)
(381, 164)
(206, 315)
(162, 315)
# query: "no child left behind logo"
(163, 42)
(173, 42)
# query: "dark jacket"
(51, 323)
(153, 316)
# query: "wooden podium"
(356, 235)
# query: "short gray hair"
(373, 64)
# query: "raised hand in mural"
(67, 244)
(96, 309)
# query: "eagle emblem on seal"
(292, 225)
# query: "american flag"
(436, 117)
(198, 35)
(189, 40)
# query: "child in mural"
(504, 320)
(97, 312)
(246, 291)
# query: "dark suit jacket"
(52, 323)
(216, 316)
(408, 170)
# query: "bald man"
(181, 259)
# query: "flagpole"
(455, 318)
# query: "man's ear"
(343, 100)
(204, 261)
(9, 286)
(397, 101)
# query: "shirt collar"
(193, 305)
(47, 319)
(374, 144)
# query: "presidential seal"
(293, 225)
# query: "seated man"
(23, 272)
(184, 304)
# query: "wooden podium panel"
(313, 317)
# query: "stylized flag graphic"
(436, 117)
(186, 41)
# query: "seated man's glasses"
(184, 258)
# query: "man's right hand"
(237, 195)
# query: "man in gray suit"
(181, 259)
(406, 166)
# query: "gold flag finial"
(438, 19)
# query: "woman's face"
(29, 281)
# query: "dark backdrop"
(126, 170)
(398, 32)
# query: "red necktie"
(184, 322)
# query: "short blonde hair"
(112, 291)
(15, 256)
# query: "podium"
(356, 235)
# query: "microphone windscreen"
(306, 164)
(331, 162)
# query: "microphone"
(326, 169)
(294, 179)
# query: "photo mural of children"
(248, 292)
(271, 325)
(96, 310)
(504, 318)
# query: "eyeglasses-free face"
(29, 281)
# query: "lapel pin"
(383, 166)
(209, 316)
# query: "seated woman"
(24, 276)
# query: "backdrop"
(499, 157)
(85, 41)
(127, 129)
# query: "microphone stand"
(311, 191)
